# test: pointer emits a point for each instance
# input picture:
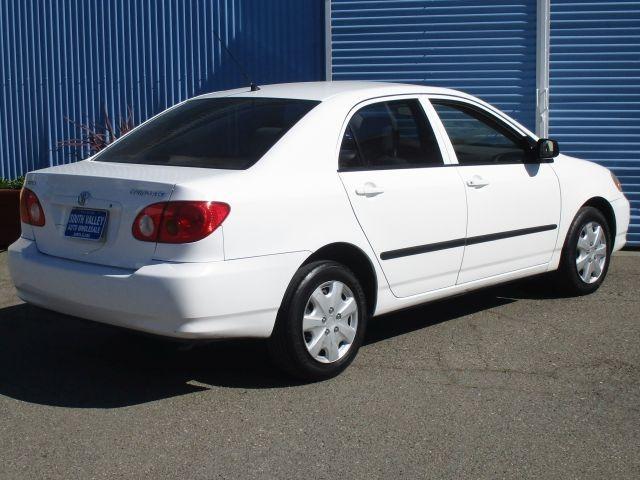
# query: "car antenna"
(252, 85)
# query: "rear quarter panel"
(292, 199)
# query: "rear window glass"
(226, 133)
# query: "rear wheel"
(321, 322)
(586, 253)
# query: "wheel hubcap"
(330, 322)
(591, 254)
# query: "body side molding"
(461, 242)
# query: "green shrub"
(11, 184)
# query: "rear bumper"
(622, 211)
(224, 299)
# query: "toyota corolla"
(296, 212)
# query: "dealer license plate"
(86, 224)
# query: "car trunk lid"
(119, 190)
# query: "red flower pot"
(9, 217)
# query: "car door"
(513, 199)
(410, 204)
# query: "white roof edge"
(353, 92)
(321, 91)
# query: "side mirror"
(547, 149)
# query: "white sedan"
(298, 211)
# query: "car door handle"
(369, 190)
(477, 182)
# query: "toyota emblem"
(83, 197)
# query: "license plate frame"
(87, 224)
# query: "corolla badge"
(83, 197)
(146, 193)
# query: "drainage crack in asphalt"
(527, 323)
(548, 374)
(478, 335)
(446, 369)
(506, 316)
(601, 362)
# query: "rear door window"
(226, 133)
(394, 134)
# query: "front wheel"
(586, 253)
(321, 322)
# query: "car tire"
(311, 339)
(585, 258)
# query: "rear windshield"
(227, 133)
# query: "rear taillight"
(179, 222)
(31, 211)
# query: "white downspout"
(542, 67)
(328, 67)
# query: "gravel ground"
(510, 382)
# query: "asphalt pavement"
(509, 382)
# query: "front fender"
(580, 182)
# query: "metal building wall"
(595, 88)
(72, 58)
(484, 48)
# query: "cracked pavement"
(509, 382)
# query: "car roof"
(349, 93)
(321, 91)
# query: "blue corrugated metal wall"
(485, 48)
(595, 88)
(72, 57)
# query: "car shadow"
(52, 359)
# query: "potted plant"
(93, 139)
(10, 210)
